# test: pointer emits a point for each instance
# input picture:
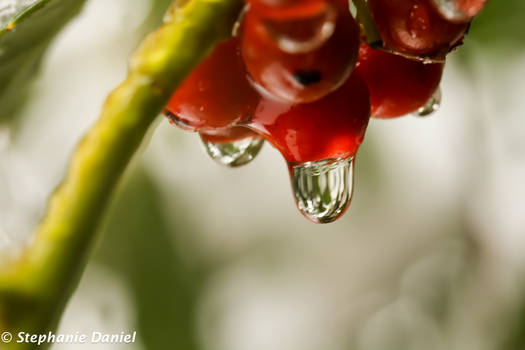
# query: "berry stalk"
(35, 288)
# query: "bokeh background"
(194, 256)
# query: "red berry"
(459, 10)
(289, 9)
(397, 85)
(414, 27)
(216, 94)
(332, 127)
(300, 76)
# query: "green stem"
(365, 18)
(35, 288)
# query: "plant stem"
(365, 19)
(35, 288)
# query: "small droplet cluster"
(307, 75)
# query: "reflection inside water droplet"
(236, 153)
(323, 189)
(432, 105)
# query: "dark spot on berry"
(307, 77)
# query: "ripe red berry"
(217, 94)
(459, 10)
(414, 27)
(289, 9)
(398, 86)
(305, 75)
(329, 128)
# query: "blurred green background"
(198, 257)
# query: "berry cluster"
(306, 75)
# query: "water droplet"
(431, 106)
(236, 153)
(175, 120)
(323, 189)
(418, 21)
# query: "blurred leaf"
(501, 23)
(141, 246)
(26, 29)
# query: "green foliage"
(142, 247)
(500, 26)
(34, 289)
(23, 41)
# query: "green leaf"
(26, 29)
(142, 245)
(500, 26)
(34, 289)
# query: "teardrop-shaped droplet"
(431, 106)
(323, 189)
(236, 153)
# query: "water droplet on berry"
(175, 120)
(431, 106)
(418, 21)
(236, 153)
(323, 189)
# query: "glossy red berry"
(398, 86)
(459, 10)
(329, 128)
(289, 9)
(217, 94)
(414, 27)
(305, 75)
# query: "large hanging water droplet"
(432, 105)
(323, 189)
(236, 153)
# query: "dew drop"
(432, 105)
(236, 153)
(418, 21)
(323, 189)
(175, 120)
